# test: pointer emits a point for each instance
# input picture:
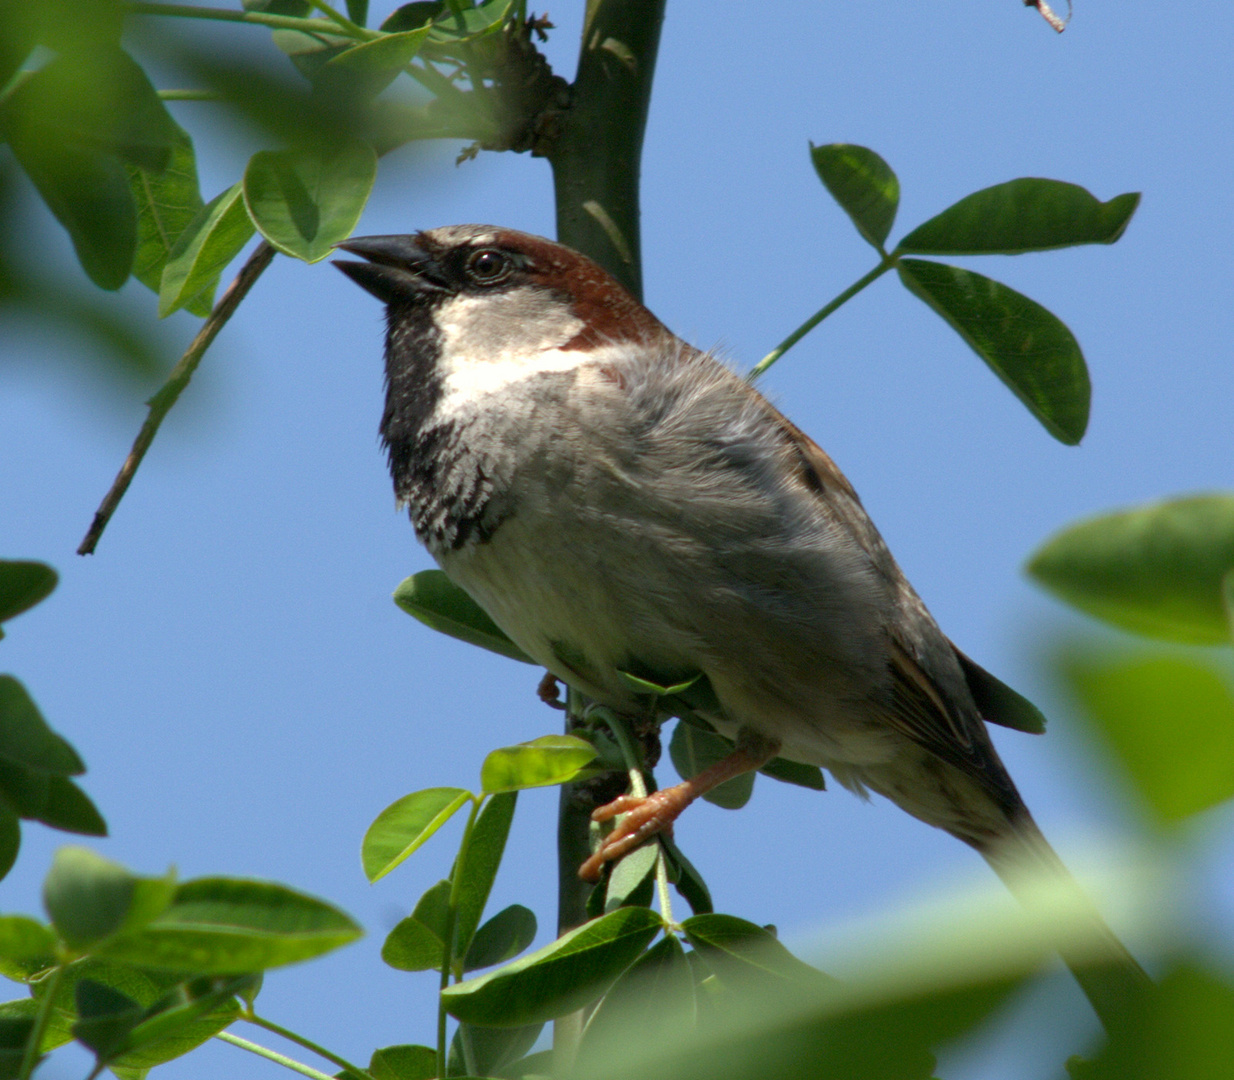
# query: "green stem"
(353, 29)
(273, 1055)
(171, 390)
(260, 18)
(30, 1055)
(888, 262)
(447, 951)
(299, 1040)
(190, 95)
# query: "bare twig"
(167, 394)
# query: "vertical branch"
(596, 155)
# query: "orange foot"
(645, 816)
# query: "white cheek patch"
(467, 381)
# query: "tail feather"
(1109, 975)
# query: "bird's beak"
(397, 268)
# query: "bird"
(620, 501)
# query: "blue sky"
(230, 664)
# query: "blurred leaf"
(228, 926)
(27, 947)
(863, 184)
(23, 789)
(310, 51)
(1179, 1032)
(305, 201)
(412, 946)
(22, 585)
(67, 807)
(630, 874)
(1028, 214)
(106, 1016)
(1169, 720)
(542, 762)
(405, 1062)
(367, 69)
(559, 978)
(15, 1032)
(25, 737)
(166, 203)
(437, 602)
(413, 15)
(477, 868)
(204, 247)
(179, 1022)
(91, 899)
(694, 750)
(486, 1051)
(653, 997)
(453, 29)
(357, 11)
(1026, 346)
(406, 824)
(501, 938)
(19, 32)
(10, 838)
(295, 9)
(1155, 570)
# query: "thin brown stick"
(170, 391)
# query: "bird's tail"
(1109, 975)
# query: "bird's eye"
(488, 267)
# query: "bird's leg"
(650, 814)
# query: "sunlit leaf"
(478, 865)
(412, 946)
(206, 245)
(1170, 720)
(1156, 570)
(863, 184)
(304, 201)
(405, 1062)
(1026, 346)
(561, 977)
(437, 602)
(27, 947)
(1028, 214)
(550, 759)
(223, 926)
(406, 824)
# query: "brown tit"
(619, 501)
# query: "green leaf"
(27, 947)
(405, 1062)
(25, 737)
(502, 938)
(367, 69)
(694, 750)
(437, 602)
(406, 824)
(486, 1051)
(795, 772)
(304, 201)
(23, 789)
(91, 899)
(412, 946)
(22, 585)
(167, 203)
(542, 762)
(630, 873)
(1026, 346)
(357, 11)
(863, 184)
(1156, 570)
(689, 881)
(1028, 214)
(204, 247)
(106, 1017)
(654, 997)
(433, 908)
(67, 807)
(309, 51)
(413, 15)
(655, 689)
(1169, 720)
(735, 943)
(15, 1032)
(228, 926)
(478, 867)
(465, 26)
(10, 838)
(295, 9)
(559, 978)
(179, 1022)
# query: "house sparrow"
(619, 501)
